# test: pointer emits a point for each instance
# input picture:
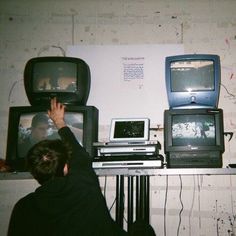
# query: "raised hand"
(56, 113)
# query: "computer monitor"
(66, 78)
(193, 137)
(28, 125)
(129, 130)
(193, 80)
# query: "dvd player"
(107, 149)
(128, 164)
(128, 161)
(134, 143)
(126, 150)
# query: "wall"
(188, 205)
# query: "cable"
(11, 89)
(199, 201)
(112, 204)
(182, 206)
(232, 95)
(105, 187)
(191, 208)
(165, 205)
(47, 47)
(125, 219)
(63, 52)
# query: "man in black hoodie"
(69, 201)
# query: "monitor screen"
(193, 130)
(55, 77)
(129, 130)
(34, 127)
(28, 125)
(193, 80)
(192, 75)
(66, 78)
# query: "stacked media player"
(129, 146)
(127, 155)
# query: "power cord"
(182, 206)
(105, 186)
(191, 208)
(165, 205)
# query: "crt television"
(66, 78)
(28, 125)
(193, 137)
(193, 80)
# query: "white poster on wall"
(127, 81)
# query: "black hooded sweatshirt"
(72, 205)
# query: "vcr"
(200, 159)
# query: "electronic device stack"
(193, 125)
(128, 147)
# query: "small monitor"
(193, 80)
(129, 129)
(66, 78)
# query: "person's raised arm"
(56, 113)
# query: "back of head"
(46, 160)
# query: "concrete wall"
(30, 28)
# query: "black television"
(193, 137)
(66, 78)
(28, 125)
(193, 80)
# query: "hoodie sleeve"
(79, 158)
(15, 225)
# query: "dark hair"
(46, 159)
(39, 118)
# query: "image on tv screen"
(34, 127)
(193, 130)
(190, 76)
(55, 77)
(129, 129)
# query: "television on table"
(66, 78)
(193, 80)
(193, 137)
(31, 124)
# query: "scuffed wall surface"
(204, 205)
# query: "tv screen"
(66, 78)
(55, 77)
(129, 129)
(194, 130)
(29, 125)
(193, 80)
(192, 75)
(194, 137)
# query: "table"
(139, 177)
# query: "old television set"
(129, 130)
(193, 137)
(29, 124)
(193, 80)
(66, 78)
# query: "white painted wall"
(39, 28)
